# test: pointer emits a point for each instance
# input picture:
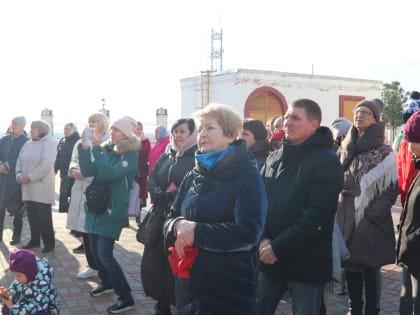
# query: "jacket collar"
(132, 143)
(294, 153)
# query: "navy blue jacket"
(303, 182)
(9, 152)
(229, 205)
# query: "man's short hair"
(312, 109)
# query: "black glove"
(163, 199)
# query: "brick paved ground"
(74, 293)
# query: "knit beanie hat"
(20, 120)
(42, 126)
(412, 128)
(375, 107)
(24, 261)
(127, 125)
(256, 127)
(339, 127)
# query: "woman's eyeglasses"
(361, 112)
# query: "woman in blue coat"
(219, 214)
(114, 163)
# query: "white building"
(264, 94)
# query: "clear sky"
(68, 55)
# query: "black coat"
(157, 278)
(408, 246)
(260, 150)
(170, 170)
(303, 182)
(64, 152)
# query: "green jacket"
(117, 165)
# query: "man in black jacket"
(303, 181)
(62, 162)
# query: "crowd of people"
(252, 211)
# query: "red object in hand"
(181, 266)
(278, 135)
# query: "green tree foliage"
(393, 96)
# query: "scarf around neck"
(209, 160)
(376, 165)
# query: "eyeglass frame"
(361, 112)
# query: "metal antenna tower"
(216, 55)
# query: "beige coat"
(76, 213)
(36, 160)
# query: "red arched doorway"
(265, 103)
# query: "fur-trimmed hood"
(132, 143)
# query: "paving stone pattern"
(73, 293)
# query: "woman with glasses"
(364, 211)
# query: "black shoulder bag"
(98, 197)
(150, 228)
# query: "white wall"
(233, 88)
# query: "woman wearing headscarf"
(164, 180)
(217, 220)
(115, 163)
(364, 210)
(10, 146)
(35, 171)
(76, 213)
(162, 141)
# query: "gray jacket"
(36, 160)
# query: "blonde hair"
(103, 122)
(226, 117)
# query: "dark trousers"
(369, 281)
(40, 222)
(17, 224)
(88, 252)
(156, 275)
(409, 297)
(306, 297)
(109, 270)
(2, 215)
